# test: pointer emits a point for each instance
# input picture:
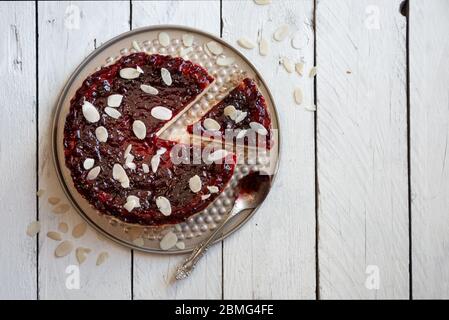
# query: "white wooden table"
(360, 208)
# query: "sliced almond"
(239, 116)
(166, 76)
(130, 73)
(101, 133)
(288, 65)
(127, 151)
(53, 200)
(299, 67)
(139, 129)
(312, 72)
(63, 249)
(205, 196)
(145, 168)
(114, 100)
(93, 173)
(131, 165)
(187, 39)
(119, 174)
(61, 208)
(297, 93)
(217, 155)
(213, 189)
(195, 184)
(140, 242)
(161, 151)
(33, 228)
(164, 39)
(161, 113)
(54, 235)
(102, 257)
(125, 182)
(90, 113)
(163, 205)
(229, 110)
(311, 108)
(225, 61)
(88, 163)
(149, 89)
(139, 69)
(215, 47)
(281, 33)
(264, 47)
(81, 254)
(63, 227)
(131, 203)
(262, 2)
(211, 124)
(79, 230)
(245, 43)
(260, 129)
(129, 158)
(180, 245)
(113, 113)
(155, 160)
(168, 241)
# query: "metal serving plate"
(197, 227)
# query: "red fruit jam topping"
(251, 113)
(122, 147)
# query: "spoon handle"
(186, 268)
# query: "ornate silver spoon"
(252, 190)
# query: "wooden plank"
(153, 273)
(273, 256)
(18, 270)
(429, 131)
(69, 31)
(362, 149)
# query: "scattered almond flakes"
(81, 254)
(63, 249)
(311, 108)
(53, 200)
(102, 257)
(299, 67)
(288, 65)
(54, 235)
(281, 33)
(40, 192)
(297, 93)
(79, 230)
(63, 227)
(62, 208)
(245, 43)
(312, 72)
(33, 228)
